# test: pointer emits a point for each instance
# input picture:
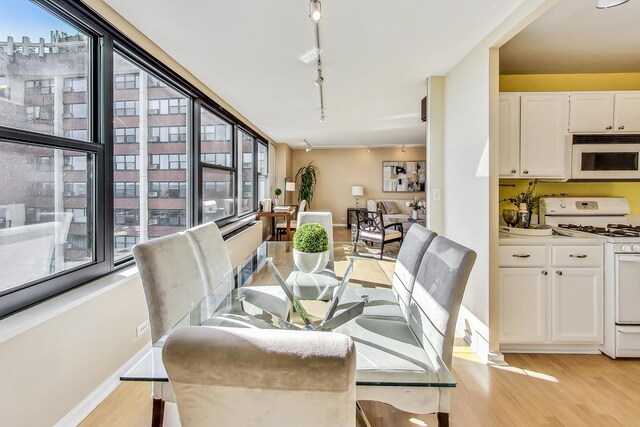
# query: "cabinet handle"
(621, 127)
(525, 172)
(559, 273)
(577, 256)
(544, 272)
(513, 171)
(521, 255)
(609, 127)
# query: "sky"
(24, 18)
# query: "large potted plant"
(311, 248)
(306, 182)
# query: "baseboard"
(95, 398)
(496, 358)
(474, 332)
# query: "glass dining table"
(384, 358)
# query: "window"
(5, 91)
(125, 108)
(173, 190)
(215, 139)
(39, 87)
(126, 135)
(126, 189)
(167, 106)
(79, 216)
(130, 162)
(75, 189)
(168, 161)
(79, 134)
(75, 84)
(168, 134)
(75, 163)
(218, 200)
(126, 81)
(165, 200)
(39, 112)
(263, 171)
(43, 163)
(246, 172)
(75, 111)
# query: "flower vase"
(414, 214)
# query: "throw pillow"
(381, 208)
(390, 207)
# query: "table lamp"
(357, 191)
(289, 186)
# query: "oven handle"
(577, 256)
(629, 258)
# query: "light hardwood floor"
(534, 390)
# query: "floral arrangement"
(416, 205)
(529, 197)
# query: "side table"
(354, 212)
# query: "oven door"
(628, 289)
(605, 161)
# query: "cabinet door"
(509, 135)
(627, 112)
(577, 304)
(543, 125)
(524, 305)
(590, 112)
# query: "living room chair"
(225, 377)
(281, 226)
(371, 229)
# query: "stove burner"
(611, 230)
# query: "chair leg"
(443, 419)
(381, 249)
(157, 415)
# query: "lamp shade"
(290, 186)
(357, 190)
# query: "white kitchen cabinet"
(524, 304)
(626, 112)
(509, 135)
(590, 112)
(577, 304)
(543, 126)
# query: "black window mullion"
(195, 177)
(106, 138)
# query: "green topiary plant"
(277, 192)
(311, 238)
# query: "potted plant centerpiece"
(277, 192)
(416, 206)
(311, 248)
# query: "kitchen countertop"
(510, 239)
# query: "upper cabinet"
(509, 135)
(604, 112)
(543, 145)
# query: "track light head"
(369, 149)
(404, 150)
(322, 117)
(315, 10)
(319, 81)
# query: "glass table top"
(263, 292)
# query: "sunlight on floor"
(532, 374)
(418, 422)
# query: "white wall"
(469, 193)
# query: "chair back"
(302, 207)
(370, 222)
(212, 254)
(411, 252)
(325, 219)
(171, 278)
(289, 377)
(437, 294)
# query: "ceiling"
(575, 37)
(376, 56)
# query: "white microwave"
(605, 161)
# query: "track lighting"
(315, 10)
(322, 116)
(606, 4)
(369, 149)
(404, 150)
(319, 81)
(308, 147)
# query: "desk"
(286, 214)
(388, 356)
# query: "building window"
(39, 112)
(75, 84)
(167, 106)
(263, 171)
(246, 172)
(171, 190)
(153, 82)
(127, 216)
(126, 81)
(123, 244)
(75, 189)
(168, 134)
(5, 90)
(39, 87)
(172, 217)
(126, 136)
(126, 189)
(168, 161)
(75, 163)
(79, 215)
(75, 111)
(125, 108)
(126, 162)
(43, 163)
(79, 134)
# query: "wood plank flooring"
(534, 390)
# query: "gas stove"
(610, 230)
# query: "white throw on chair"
(316, 286)
(226, 377)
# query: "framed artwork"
(403, 177)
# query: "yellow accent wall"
(569, 83)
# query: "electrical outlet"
(435, 194)
(142, 327)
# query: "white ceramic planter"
(310, 262)
(414, 214)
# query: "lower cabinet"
(524, 293)
(576, 301)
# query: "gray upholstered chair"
(429, 323)
(371, 229)
(394, 302)
(316, 286)
(225, 377)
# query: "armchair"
(371, 229)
